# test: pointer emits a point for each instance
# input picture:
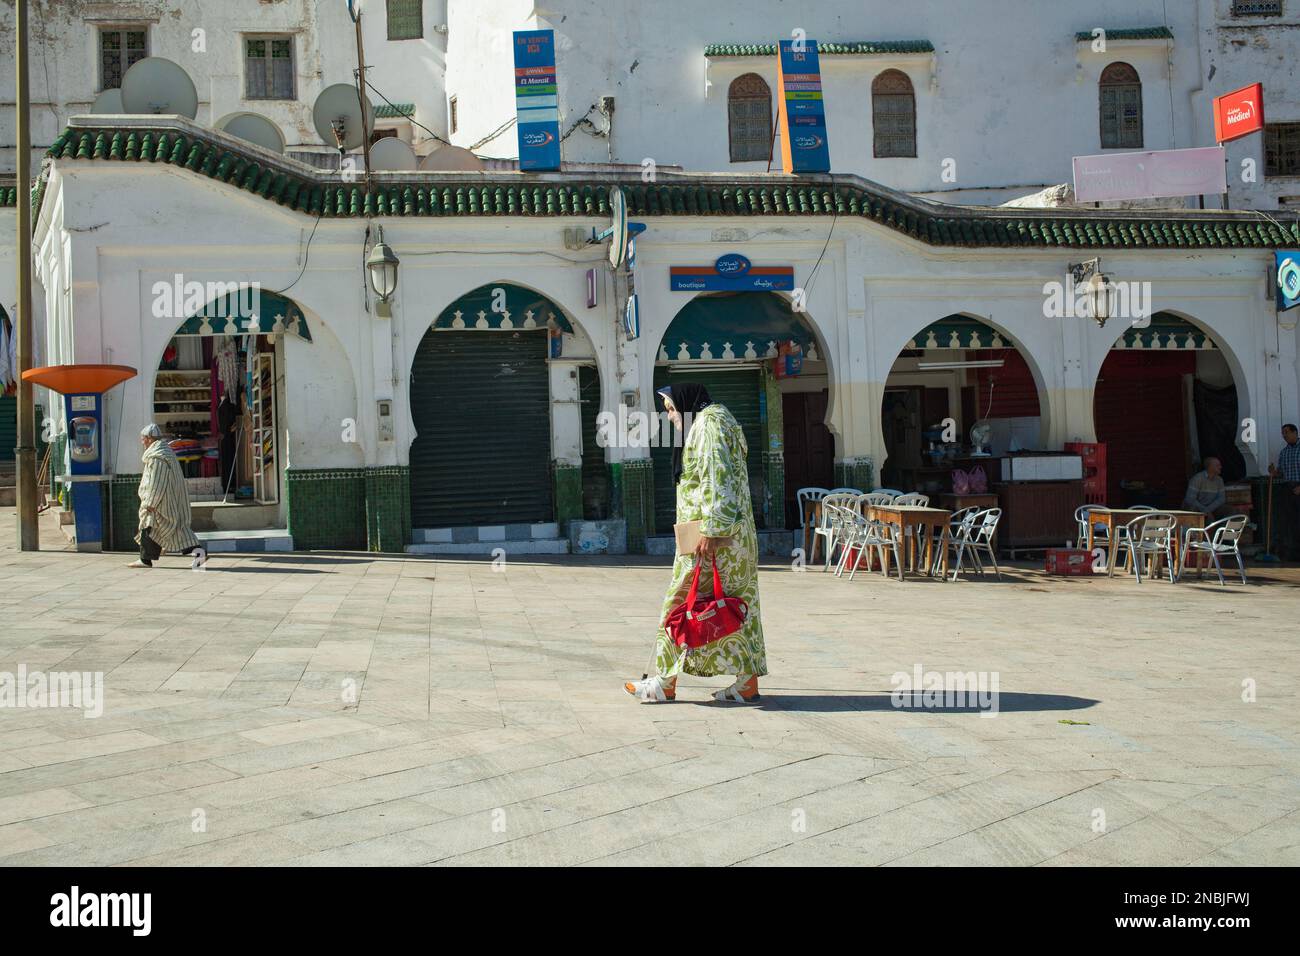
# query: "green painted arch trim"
(248, 312)
(502, 307)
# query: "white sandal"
(734, 694)
(649, 690)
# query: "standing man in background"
(1288, 469)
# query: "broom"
(1268, 557)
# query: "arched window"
(749, 118)
(893, 114)
(1120, 99)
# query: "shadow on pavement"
(914, 702)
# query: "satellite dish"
(339, 117)
(618, 229)
(156, 85)
(390, 153)
(451, 159)
(254, 128)
(110, 101)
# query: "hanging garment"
(6, 349)
(228, 364)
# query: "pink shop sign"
(1150, 175)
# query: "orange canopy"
(79, 379)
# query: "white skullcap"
(151, 431)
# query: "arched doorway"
(733, 342)
(504, 392)
(952, 375)
(1164, 400)
(219, 397)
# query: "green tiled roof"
(855, 48)
(1129, 33)
(396, 110)
(571, 194)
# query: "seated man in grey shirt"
(1205, 491)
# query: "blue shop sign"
(731, 273)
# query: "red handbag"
(696, 622)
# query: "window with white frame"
(119, 47)
(268, 67)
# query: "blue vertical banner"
(801, 111)
(537, 107)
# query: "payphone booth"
(83, 388)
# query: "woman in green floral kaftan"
(713, 489)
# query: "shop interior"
(1165, 399)
(215, 400)
(955, 408)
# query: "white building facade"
(369, 452)
(472, 412)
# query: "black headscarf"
(689, 398)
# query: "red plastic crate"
(1093, 456)
(1069, 561)
(1094, 491)
(1092, 453)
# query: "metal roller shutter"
(741, 391)
(481, 405)
(8, 426)
(595, 473)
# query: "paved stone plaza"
(356, 709)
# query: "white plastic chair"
(802, 498)
(1150, 536)
(872, 499)
(892, 492)
(976, 535)
(862, 537)
(912, 500)
(1219, 538)
(830, 525)
(954, 526)
(1100, 532)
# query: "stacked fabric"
(187, 449)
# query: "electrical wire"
(411, 118)
(494, 134)
(306, 254)
(835, 215)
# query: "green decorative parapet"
(853, 473)
(326, 508)
(121, 510)
(388, 508)
(568, 492)
(633, 484)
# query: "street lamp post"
(25, 452)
